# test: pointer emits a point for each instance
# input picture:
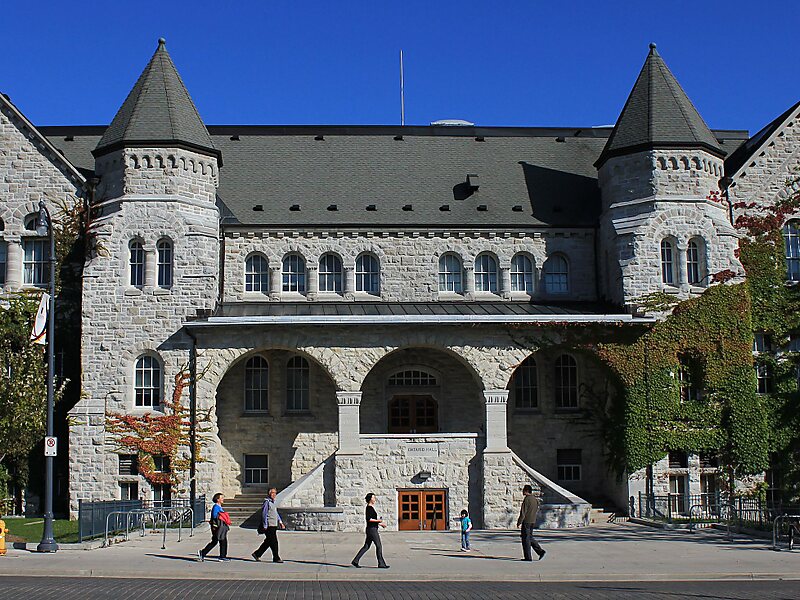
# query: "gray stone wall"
(409, 260)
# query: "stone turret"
(157, 226)
(661, 225)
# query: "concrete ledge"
(90, 545)
(563, 516)
(323, 518)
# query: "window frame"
(303, 371)
(527, 277)
(249, 404)
(35, 269)
(364, 276)
(525, 369)
(156, 390)
(565, 467)
(549, 275)
(331, 274)
(451, 281)
(695, 271)
(3, 261)
(294, 279)
(137, 270)
(791, 243)
(255, 281)
(248, 471)
(668, 271)
(126, 488)
(165, 268)
(572, 386)
(487, 273)
(765, 379)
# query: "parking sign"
(50, 446)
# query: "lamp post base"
(47, 546)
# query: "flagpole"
(402, 93)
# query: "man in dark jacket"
(527, 521)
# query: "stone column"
(312, 284)
(683, 276)
(469, 282)
(275, 283)
(349, 422)
(150, 266)
(496, 402)
(349, 283)
(505, 283)
(14, 259)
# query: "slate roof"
(158, 110)
(547, 173)
(658, 114)
(746, 151)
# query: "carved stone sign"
(422, 450)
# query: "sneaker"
(464, 550)
(256, 557)
(383, 566)
(277, 560)
(541, 554)
(356, 565)
(200, 556)
(224, 560)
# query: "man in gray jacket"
(527, 521)
(270, 521)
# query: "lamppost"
(44, 225)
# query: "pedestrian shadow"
(479, 556)
(315, 562)
(193, 558)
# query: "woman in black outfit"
(373, 522)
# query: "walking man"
(270, 521)
(527, 520)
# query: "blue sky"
(495, 63)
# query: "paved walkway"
(624, 552)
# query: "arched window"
(330, 273)
(566, 382)
(256, 274)
(412, 378)
(556, 275)
(486, 273)
(136, 261)
(521, 274)
(256, 385)
(791, 239)
(450, 273)
(297, 384)
(30, 221)
(147, 382)
(667, 262)
(164, 248)
(294, 273)
(695, 273)
(368, 274)
(526, 385)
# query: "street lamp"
(44, 226)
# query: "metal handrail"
(775, 525)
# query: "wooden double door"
(422, 510)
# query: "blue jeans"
(465, 540)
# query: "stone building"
(380, 308)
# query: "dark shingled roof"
(528, 177)
(157, 111)
(658, 114)
(746, 151)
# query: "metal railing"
(791, 525)
(93, 516)
(140, 517)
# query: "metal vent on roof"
(259, 207)
(294, 207)
(561, 138)
(234, 138)
(480, 138)
(398, 138)
(69, 138)
(444, 208)
(482, 208)
(517, 208)
(473, 181)
(333, 207)
(372, 207)
(408, 207)
(319, 137)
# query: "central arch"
(421, 390)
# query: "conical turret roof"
(658, 114)
(157, 112)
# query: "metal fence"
(93, 515)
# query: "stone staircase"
(245, 509)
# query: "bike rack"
(775, 526)
(168, 515)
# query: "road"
(85, 588)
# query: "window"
(30, 221)
(521, 274)
(330, 273)
(526, 386)
(368, 274)
(297, 384)
(3, 261)
(794, 342)
(764, 378)
(161, 464)
(162, 495)
(678, 459)
(568, 463)
(256, 385)
(486, 273)
(667, 262)
(677, 494)
(147, 386)
(556, 275)
(136, 251)
(689, 379)
(128, 464)
(256, 274)
(413, 414)
(450, 274)
(709, 460)
(762, 342)
(256, 469)
(694, 273)
(35, 262)
(128, 490)
(566, 382)
(164, 249)
(791, 239)
(412, 378)
(294, 274)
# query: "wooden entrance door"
(413, 413)
(422, 510)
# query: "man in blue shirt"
(270, 521)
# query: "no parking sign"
(50, 446)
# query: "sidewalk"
(621, 552)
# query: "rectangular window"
(764, 379)
(162, 495)
(256, 469)
(161, 464)
(678, 460)
(35, 262)
(128, 464)
(128, 490)
(708, 460)
(568, 463)
(762, 342)
(794, 342)
(164, 265)
(3, 261)
(677, 494)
